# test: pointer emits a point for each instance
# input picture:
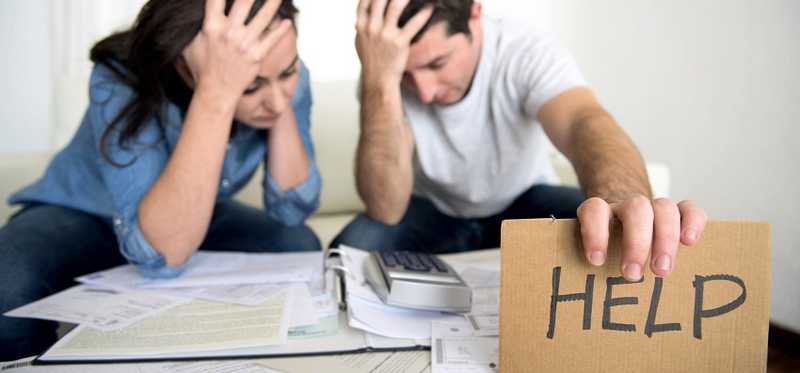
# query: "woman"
(184, 107)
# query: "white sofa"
(335, 134)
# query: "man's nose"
(425, 85)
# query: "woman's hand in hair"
(227, 53)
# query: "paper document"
(367, 312)
(380, 362)
(484, 325)
(485, 301)
(187, 330)
(100, 309)
(210, 269)
(394, 322)
(301, 306)
(214, 367)
(455, 350)
(480, 277)
(246, 295)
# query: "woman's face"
(270, 95)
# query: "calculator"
(417, 280)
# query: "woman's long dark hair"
(144, 56)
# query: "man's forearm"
(383, 163)
(606, 161)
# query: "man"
(456, 110)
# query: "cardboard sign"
(560, 314)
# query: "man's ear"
(475, 18)
(476, 11)
(184, 72)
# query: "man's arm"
(607, 163)
(383, 160)
(613, 176)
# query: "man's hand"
(659, 224)
(382, 46)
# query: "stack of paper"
(222, 302)
(367, 312)
(260, 305)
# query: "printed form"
(100, 309)
(188, 330)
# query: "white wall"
(25, 98)
(712, 88)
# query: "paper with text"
(193, 327)
(210, 269)
(100, 309)
(454, 349)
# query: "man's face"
(440, 68)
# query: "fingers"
(362, 15)
(693, 221)
(416, 23)
(263, 18)
(273, 36)
(376, 12)
(394, 11)
(594, 216)
(240, 11)
(666, 234)
(636, 215)
(215, 8)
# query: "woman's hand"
(226, 54)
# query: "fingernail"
(663, 263)
(632, 272)
(691, 234)
(597, 258)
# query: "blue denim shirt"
(80, 178)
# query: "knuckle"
(594, 203)
(640, 247)
(664, 204)
(254, 55)
(639, 203)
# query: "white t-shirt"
(475, 157)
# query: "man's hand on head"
(383, 46)
(650, 228)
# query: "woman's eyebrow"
(264, 79)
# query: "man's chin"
(449, 99)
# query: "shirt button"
(226, 183)
(117, 221)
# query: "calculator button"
(389, 259)
(438, 264)
(426, 261)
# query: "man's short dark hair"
(455, 12)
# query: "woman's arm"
(292, 183)
(287, 162)
(175, 213)
(223, 59)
